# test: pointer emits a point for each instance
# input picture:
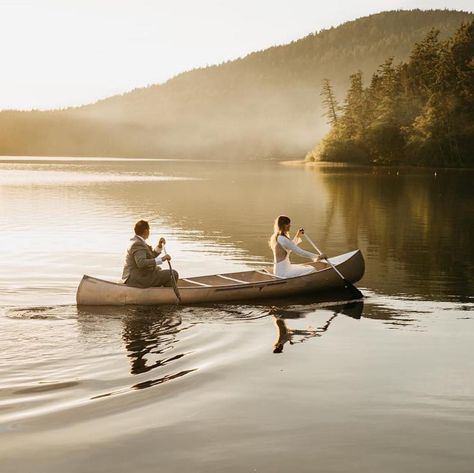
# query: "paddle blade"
(176, 290)
(175, 286)
(355, 293)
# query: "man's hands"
(161, 244)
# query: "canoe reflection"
(148, 337)
(286, 334)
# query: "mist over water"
(371, 386)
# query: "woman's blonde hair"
(278, 229)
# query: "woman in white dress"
(282, 246)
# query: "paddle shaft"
(327, 260)
(173, 279)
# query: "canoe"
(226, 287)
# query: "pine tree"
(329, 102)
(353, 120)
(419, 112)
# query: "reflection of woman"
(282, 337)
(285, 334)
(282, 246)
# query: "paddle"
(347, 284)
(173, 279)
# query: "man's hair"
(141, 226)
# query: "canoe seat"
(251, 276)
(227, 279)
(189, 282)
(211, 280)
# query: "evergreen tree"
(353, 119)
(418, 112)
(330, 102)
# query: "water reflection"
(286, 334)
(153, 336)
(154, 382)
(148, 334)
(151, 339)
(417, 226)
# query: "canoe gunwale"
(279, 280)
(248, 284)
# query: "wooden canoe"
(226, 287)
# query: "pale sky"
(57, 53)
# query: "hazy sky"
(57, 53)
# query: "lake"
(383, 385)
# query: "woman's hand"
(300, 232)
(161, 242)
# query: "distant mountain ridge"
(264, 105)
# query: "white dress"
(284, 269)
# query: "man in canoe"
(142, 262)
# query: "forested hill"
(418, 112)
(264, 105)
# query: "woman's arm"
(290, 245)
(297, 240)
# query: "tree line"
(417, 112)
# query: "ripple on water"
(126, 350)
(45, 387)
(42, 312)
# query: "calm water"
(385, 385)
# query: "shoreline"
(304, 163)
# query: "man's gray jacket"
(140, 268)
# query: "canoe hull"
(93, 291)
